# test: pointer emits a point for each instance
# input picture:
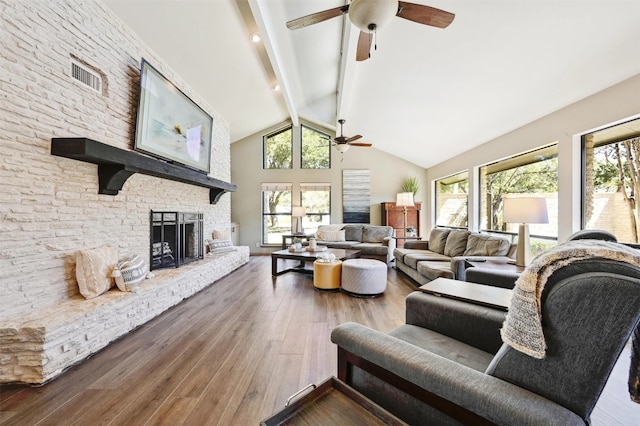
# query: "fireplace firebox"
(176, 239)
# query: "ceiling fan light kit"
(364, 13)
(371, 15)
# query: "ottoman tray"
(333, 402)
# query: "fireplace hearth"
(176, 239)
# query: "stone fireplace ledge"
(40, 346)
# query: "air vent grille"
(86, 76)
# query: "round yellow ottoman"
(326, 275)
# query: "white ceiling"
(425, 95)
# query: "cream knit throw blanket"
(522, 328)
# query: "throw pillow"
(220, 246)
(331, 236)
(93, 270)
(221, 235)
(438, 239)
(130, 272)
(486, 245)
(456, 242)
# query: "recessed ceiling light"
(255, 37)
(275, 87)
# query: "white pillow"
(335, 236)
(93, 270)
(130, 272)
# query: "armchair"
(447, 364)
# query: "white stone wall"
(50, 206)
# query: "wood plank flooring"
(230, 355)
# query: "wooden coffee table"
(306, 256)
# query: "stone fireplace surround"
(39, 347)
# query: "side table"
(401, 240)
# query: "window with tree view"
(276, 212)
(315, 150)
(534, 173)
(451, 200)
(277, 152)
(316, 198)
(611, 168)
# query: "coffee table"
(306, 256)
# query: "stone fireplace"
(176, 239)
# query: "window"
(316, 149)
(452, 200)
(276, 212)
(532, 173)
(316, 198)
(277, 152)
(611, 173)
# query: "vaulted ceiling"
(425, 95)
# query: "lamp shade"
(298, 211)
(525, 210)
(404, 199)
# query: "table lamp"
(404, 200)
(298, 212)
(524, 210)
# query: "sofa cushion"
(372, 249)
(376, 234)
(456, 242)
(438, 239)
(435, 269)
(347, 245)
(412, 259)
(353, 232)
(486, 245)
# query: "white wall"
(387, 173)
(565, 126)
(50, 206)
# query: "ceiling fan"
(371, 15)
(342, 142)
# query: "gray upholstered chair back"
(590, 309)
(593, 234)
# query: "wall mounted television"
(169, 125)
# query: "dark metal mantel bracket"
(116, 165)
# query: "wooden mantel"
(115, 165)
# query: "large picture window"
(611, 180)
(316, 198)
(452, 194)
(278, 150)
(315, 150)
(534, 173)
(276, 212)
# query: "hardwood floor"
(230, 355)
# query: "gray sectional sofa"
(373, 241)
(445, 252)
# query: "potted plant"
(410, 184)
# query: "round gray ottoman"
(364, 277)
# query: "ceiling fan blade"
(314, 18)
(364, 46)
(424, 14)
(360, 144)
(353, 138)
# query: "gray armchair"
(447, 364)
